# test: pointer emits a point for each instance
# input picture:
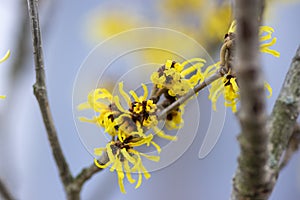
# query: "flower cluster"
(2, 60)
(128, 129)
(136, 124)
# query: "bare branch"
(251, 176)
(292, 147)
(40, 92)
(285, 112)
(4, 192)
(88, 172)
(188, 95)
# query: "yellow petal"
(145, 96)
(109, 152)
(156, 146)
(188, 71)
(101, 166)
(127, 170)
(153, 158)
(168, 63)
(161, 134)
(84, 106)
(99, 151)
(269, 88)
(127, 156)
(124, 94)
(120, 176)
(232, 28)
(84, 119)
(147, 175)
(139, 182)
(5, 57)
(192, 60)
(134, 95)
(265, 48)
(117, 102)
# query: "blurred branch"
(40, 92)
(21, 49)
(251, 175)
(4, 192)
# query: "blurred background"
(70, 30)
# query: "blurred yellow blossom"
(5, 57)
(204, 21)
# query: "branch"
(40, 91)
(88, 172)
(5, 192)
(188, 95)
(293, 146)
(285, 112)
(251, 175)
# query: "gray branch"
(40, 91)
(292, 147)
(285, 112)
(88, 172)
(251, 175)
(4, 192)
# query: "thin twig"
(4, 192)
(88, 172)
(40, 91)
(188, 95)
(250, 176)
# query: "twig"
(72, 186)
(250, 177)
(188, 95)
(88, 172)
(4, 192)
(40, 91)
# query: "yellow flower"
(146, 115)
(176, 79)
(216, 22)
(231, 92)
(102, 102)
(124, 159)
(179, 6)
(228, 87)
(5, 57)
(128, 128)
